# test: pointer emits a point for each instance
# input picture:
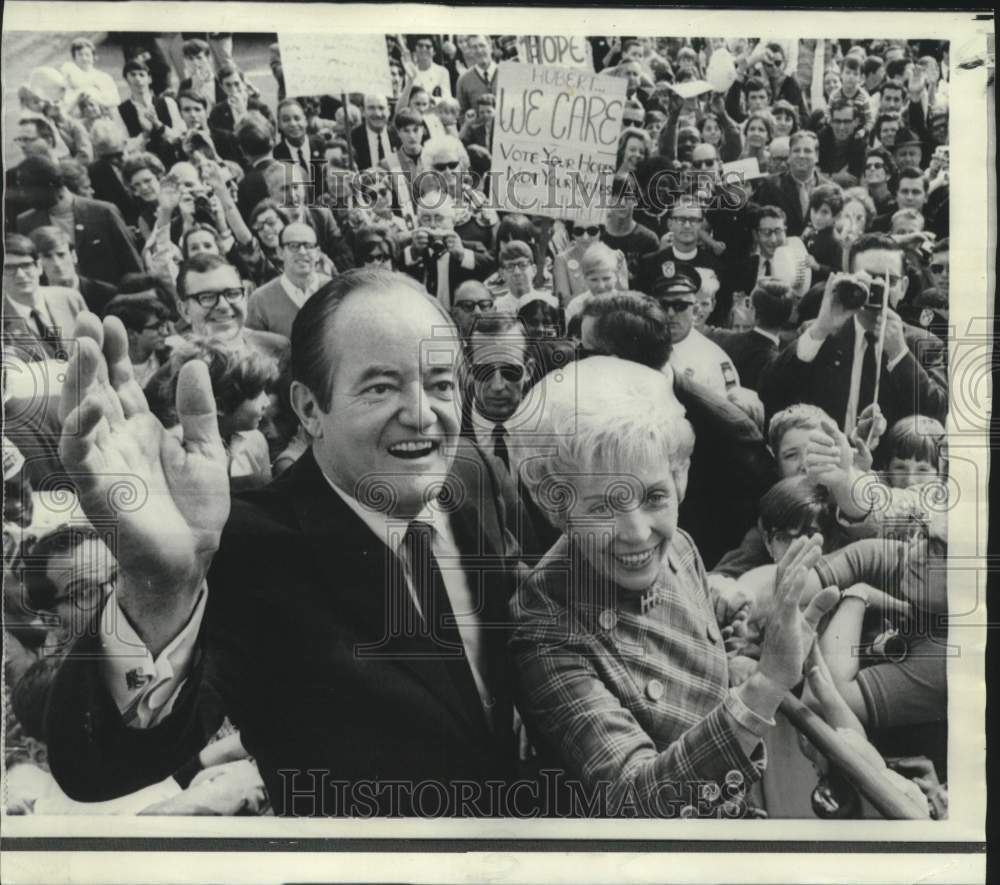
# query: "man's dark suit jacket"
(782, 190)
(252, 189)
(730, 469)
(750, 352)
(855, 154)
(109, 187)
(282, 152)
(908, 389)
(96, 293)
(104, 247)
(420, 269)
(359, 142)
(294, 649)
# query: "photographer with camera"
(437, 256)
(858, 350)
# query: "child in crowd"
(825, 205)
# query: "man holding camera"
(438, 257)
(858, 348)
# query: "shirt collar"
(294, 292)
(483, 428)
(384, 526)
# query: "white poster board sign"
(328, 64)
(555, 140)
(563, 52)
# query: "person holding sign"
(857, 347)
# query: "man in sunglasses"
(213, 300)
(472, 301)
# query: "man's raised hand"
(165, 492)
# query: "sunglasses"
(447, 167)
(938, 268)
(702, 164)
(483, 372)
(593, 230)
(676, 306)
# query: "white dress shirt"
(301, 296)
(373, 141)
(808, 346)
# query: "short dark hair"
(311, 351)
(405, 117)
(631, 326)
(136, 310)
(872, 64)
(50, 237)
(18, 244)
(909, 172)
(201, 263)
(43, 129)
(191, 95)
(794, 504)
(134, 65)
(254, 134)
(772, 303)
(145, 160)
(762, 212)
(39, 172)
(263, 206)
(228, 69)
(132, 283)
(827, 195)
(896, 68)
(755, 84)
(871, 242)
(851, 63)
(516, 226)
(842, 104)
(940, 246)
(896, 87)
(288, 102)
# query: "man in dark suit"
(326, 630)
(754, 350)
(58, 261)
(833, 364)
(771, 229)
(374, 140)
(255, 136)
(194, 111)
(791, 190)
(437, 255)
(103, 244)
(841, 154)
(106, 172)
(295, 145)
(226, 115)
(730, 462)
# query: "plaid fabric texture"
(627, 688)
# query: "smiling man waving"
(348, 617)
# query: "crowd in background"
(799, 314)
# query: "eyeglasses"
(14, 269)
(298, 246)
(483, 372)
(592, 231)
(210, 297)
(686, 220)
(524, 264)
(469, 306)
(379, 257)
(446, 167)
(676, 306)
(771, 232)
(874, 166)
(937, 267)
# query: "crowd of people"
(372, 485)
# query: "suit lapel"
(361, 574)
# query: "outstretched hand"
(166, 492)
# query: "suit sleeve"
(910, 382)
(335, 244)
(786, 381)
(121, 243)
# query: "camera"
(203, 208)
(854, 293)
(436, 245)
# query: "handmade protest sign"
(555, 140)
(566, 52)
(328, 64)
(742, 170)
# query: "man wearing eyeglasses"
(274, 305)
(38, 321)
(833, 364)
(841, 154)
(472, 301)
(685, 222)
(213, 300)
(517, 269)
